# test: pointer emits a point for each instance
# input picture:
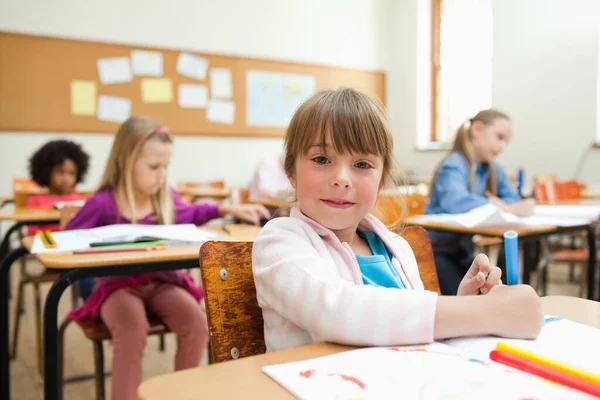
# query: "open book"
(81, 239)
(453, 369)
(491, 215)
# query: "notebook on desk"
(454, 369)
(81, 239)
(491, 215)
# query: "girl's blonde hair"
(464, 146)
(118, 175)
(357, 123)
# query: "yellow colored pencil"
(46, 238)
(559, 366)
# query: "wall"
(334, 32)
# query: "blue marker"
(520, 178)
(511, 253)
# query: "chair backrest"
(207, 184)
(23, 188)
(389, 207)
(234, 317)
(240, 195)
(66, 214)
(551, 192)
(26, 185)
(418, 238)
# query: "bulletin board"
(39, 76)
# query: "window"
(461, 64)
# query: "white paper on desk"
(81, 239)
(560, 339)
(568, 211)
(220, 111)
(65, 240)
(193, 96)
(114, 70)
(432, 371)
(192, 66)
(130, 232)
(71, 203)
(220, 83)
(539, 220)
(486, 215)
(147, 63)
(113, 109)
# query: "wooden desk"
(243, 378)
(524, 232)
(66, 260)
(87, 266)
(200, 192)
(498, 231)
(274, 203)
(27, 215)
(23, 217)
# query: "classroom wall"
(545, 70)
(545, 73)
(349, 33)
(546, 77)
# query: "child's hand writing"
(516, 311)
(480, 278)
(523, 208)
(247, 212)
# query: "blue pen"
(511, 252)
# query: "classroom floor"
(27, 385)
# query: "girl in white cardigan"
(332, 272)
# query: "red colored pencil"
(542, 371)
(97, 250)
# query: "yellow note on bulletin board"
(157, 90)
(83, 98)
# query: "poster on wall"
(272, 97)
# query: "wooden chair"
(551, 191)
(391, 208)
(240, 195)
(183, 185)
(234, 318)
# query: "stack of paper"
(81, 239)
(491, 215)
(436, 371)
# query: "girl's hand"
(247, 212)
(523, 208)
(498, 202)
(480, 278)
(517, 311)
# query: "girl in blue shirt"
(468, 178)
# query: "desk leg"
(4, 320)
(591, 237)
(51, 334)
(6, 240)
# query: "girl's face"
(336, 190)
(489, 141)
(150, 168)
(63, 178)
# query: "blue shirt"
(377, 270)
(450, 193)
